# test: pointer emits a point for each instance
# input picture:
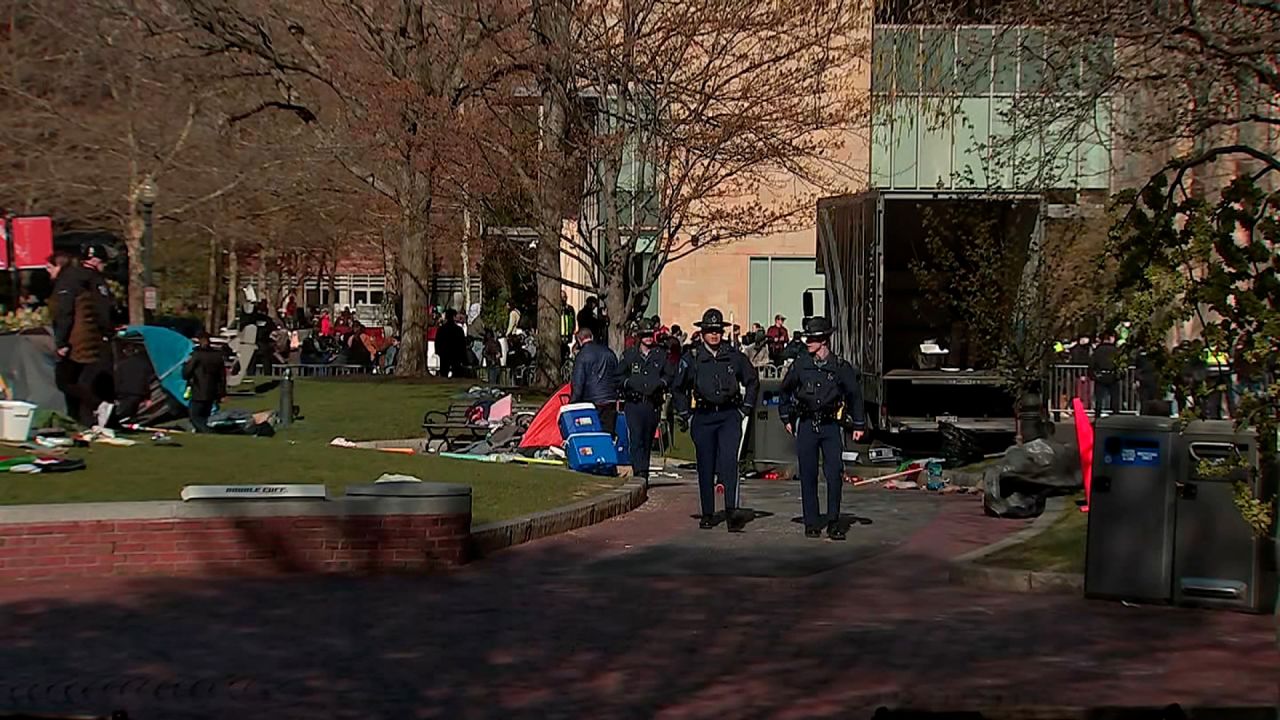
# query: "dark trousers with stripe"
(642, 422)
(812, 438)
(717, 435)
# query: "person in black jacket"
(646, 374)
(206, 374)
(64, 272)
(82, 332)
(595, 379)
(821, 393)
(451, 346)
(1105, 375)
(716, 390)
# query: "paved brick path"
(587, 625)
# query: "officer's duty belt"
(655, 399)
(707, 407)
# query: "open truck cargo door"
(867, 247)
(850, 256)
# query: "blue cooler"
(592, 453)
(579, 418)
(623, 444)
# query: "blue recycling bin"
(624, 440)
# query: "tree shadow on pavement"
(517, 637)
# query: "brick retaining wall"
(232, 538)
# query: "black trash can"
(1218, 561)
(1129, 552)
(771, 444)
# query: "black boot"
(736, 520)
(812, 531)
(707, 522)
(835, 532)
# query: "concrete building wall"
(720, 278)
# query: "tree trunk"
(133, 246)
(617, 258)
(233, 284)
(548, 311)
(465, 252)
(414, 283)
(270, 285)
(552, 20)
(211, 296)
(260, 277)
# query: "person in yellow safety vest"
(1218, 371)
(1122, 333)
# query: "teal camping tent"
(168, 351)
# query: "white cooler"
(15, 419)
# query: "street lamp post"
(148, 194)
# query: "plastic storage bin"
(578, 418)
(592, 453)
(15, 420)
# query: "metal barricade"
(319, 370)
(1067, 382)
(772, 372)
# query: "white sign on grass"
(254, 492)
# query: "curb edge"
(967, 571)
(491, 537)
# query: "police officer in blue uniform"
(821, 395)
(647, 373)
(716, 390)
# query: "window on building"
(938, 60)
(906, 76)
(973, 60)
(882, 60)
(1031, 76)
(777, 285)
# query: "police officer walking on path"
(820, 395)
(716, 389)
(647, 374)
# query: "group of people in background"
(1106, 360)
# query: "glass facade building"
(981, 107)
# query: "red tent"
(544, 431)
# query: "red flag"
(32, 242)
(1084, 440)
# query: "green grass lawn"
(362, 410)
(1058, 549)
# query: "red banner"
(32, 242)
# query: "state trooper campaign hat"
(712, 320)
(647, 327)
(817, 328)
